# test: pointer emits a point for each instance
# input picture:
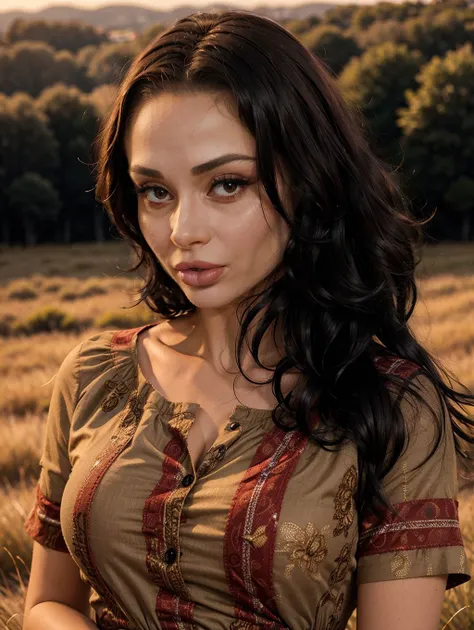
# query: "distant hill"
(137, 18)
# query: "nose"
(189, 223)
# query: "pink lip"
(202, 278)
(196, 264)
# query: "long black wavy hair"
(345, 288)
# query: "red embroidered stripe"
(251, 528)
(420, 524)
(43, 522)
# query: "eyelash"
(243, 182)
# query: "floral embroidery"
(400, 565)
(333, 595)
(334, 618)
(258, 538)
(117, 390)
(135, 407)
(307, 548)
(209, 462)
(343, 508)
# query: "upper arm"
(412, 604)
(54, 576)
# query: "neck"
(213, 337)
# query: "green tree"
(331, 45)
(109, 62)
(74, 121)
(376, 83)
(27, 141)
(341, 15)
(68, 71)
(6, 141)
(26, 144)
(84, 56)
(381, 32)
(34, 66)
(438, 127)
(33, 199)
(438, 33)
(6, 71)
(83, 60)
(460, 196)
(301, 26)
(103, 97)
(367, 15)
(69, 35)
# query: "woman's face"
(211, 214)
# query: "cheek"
(258, 238)
(152, 233)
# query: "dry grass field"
(52, 297)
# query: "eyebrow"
(196, 170)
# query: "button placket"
(187, 480)
(170, 555)
(232, 432)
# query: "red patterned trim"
(109, 620)
(251, 528)
(123, 338)
(43, 523)
(419, 524)
(392, 364)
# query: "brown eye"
(229, 185)
(142, 191)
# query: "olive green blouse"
(264, 534)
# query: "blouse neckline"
(240, 412)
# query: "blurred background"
(408, 66)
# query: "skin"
(184, 217)
(411, 604)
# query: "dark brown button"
(170, 555)
(187, 480)
(220, 452)
(233, 426)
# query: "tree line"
(408, 68)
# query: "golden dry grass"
(85, 281)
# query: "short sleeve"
(43, 522)
(424, 537)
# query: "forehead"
(186, 122)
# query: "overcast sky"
(33, 5)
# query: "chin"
(213, 302)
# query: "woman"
(277, 448)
